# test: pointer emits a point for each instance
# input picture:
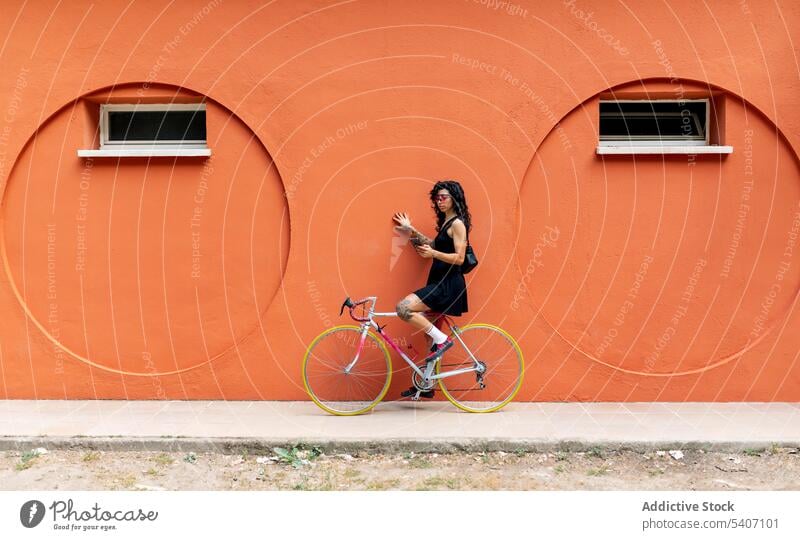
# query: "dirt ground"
(303, 468)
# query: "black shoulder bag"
(470, 260)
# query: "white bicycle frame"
(428, 373)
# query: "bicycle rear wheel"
(341, 393)
(494, 348)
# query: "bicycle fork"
(361, 340)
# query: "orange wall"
(660, 279)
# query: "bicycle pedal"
(415, 393)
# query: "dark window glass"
(156, 126)
(669, 120)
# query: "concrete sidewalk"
(432, 426)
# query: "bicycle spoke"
(324, 371)
(501, 359)
(361, 385)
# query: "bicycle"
(347, 370)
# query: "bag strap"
(448, 222)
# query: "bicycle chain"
(415, 376)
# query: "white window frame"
(146, 148)
(647, 140)
(646, 144)
(136, 107)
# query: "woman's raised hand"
(404, 221)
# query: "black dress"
(446, 290)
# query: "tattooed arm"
(422, 237)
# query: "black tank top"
(445, 244)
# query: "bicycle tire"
(354, 393)
(507, 380)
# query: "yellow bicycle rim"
(455, 402)
(385, 386)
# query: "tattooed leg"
(403, 309)
(408, 309)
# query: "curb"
(234, 445)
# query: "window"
(156, 126)
(656, 127)
(654, 122)
(171, 129)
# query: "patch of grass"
(297, 455)
(595, 451)
(91, 456)
(302, 485)
(127, 481)
(312, 452)
(419, 462)
(655, 472)
(163, 459)
(26, 460)
(151, 471)
(352, 473)
(438, 482)
(774, 448)
(751, 452)
(453, 483)
(561, 456)
(191, 457)
(559, 469)
(597, 472)
(327, 485)
(289, 456)
(380, 485)
(432, 482)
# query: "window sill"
(145, 152)
(678, 149)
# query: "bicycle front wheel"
(337, 390)
(493, 348)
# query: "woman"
(446, 290)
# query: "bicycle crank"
(422, 384)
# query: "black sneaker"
(413, 390)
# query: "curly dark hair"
(459, 201)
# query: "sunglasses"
(439, 198)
